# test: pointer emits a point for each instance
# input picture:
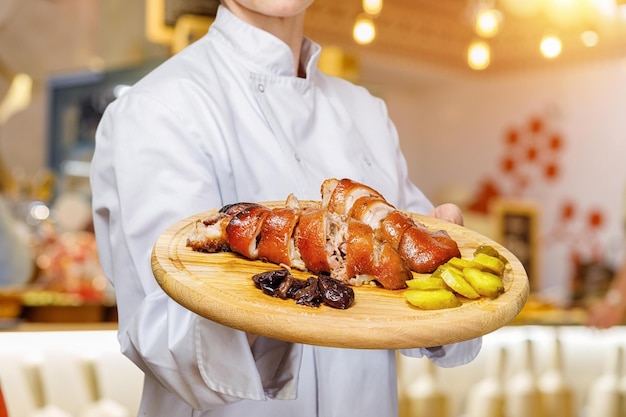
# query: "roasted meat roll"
(354, 236)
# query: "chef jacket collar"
(268, 54)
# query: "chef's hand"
(449, 212)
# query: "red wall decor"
(530, 156)
(531, 165)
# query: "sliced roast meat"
(244, 230)
(338, 196)
(310, 240)
(276, 237)
(355, 236)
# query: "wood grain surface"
(219, 286)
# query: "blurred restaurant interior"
(512, 109)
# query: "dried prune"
(270, 281)
(335, 293)
(312, 292)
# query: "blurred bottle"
(105, 408)
(523, 398)
(423, 396)
(557, 396)
(604, 391)
(487, 398)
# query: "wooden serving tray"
(219, 286)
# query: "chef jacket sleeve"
(149, 170)
(448, 356)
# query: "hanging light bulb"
(550, 46)
(478, 55)
(487, 23)
(364, 30)
(372, 7)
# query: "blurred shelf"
(84, 313)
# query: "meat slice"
(209, 234)
(359, 252)
(422, 249)
(370, 210)
(244, 229)
(310, 240)
(276, 238)
(368, 259)
(338, 196)
(393, 226)
(390, 269)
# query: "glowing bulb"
(372, 7)
(550, 46)
(17, 98)
(364, 31)
(478, 55)
(39, 211)
(589, 38)
(488, 23)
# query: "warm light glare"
(488, 23)
(550, 46)
(17, 98)
(478, 55)
(39, 211)
(589, 38)
(364, 31)
(372, 7)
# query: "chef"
(243, 114)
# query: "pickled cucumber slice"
(432, 299)
(455, 280)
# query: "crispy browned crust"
(336, 194)
(359, 249)
(276, 235)
(391, 271)
(244, 228)
(310, 239)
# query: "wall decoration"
(530, 158)
(528, 173)
(517, 228)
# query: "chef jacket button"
(261, 87)
(295, 155)
(368, 162)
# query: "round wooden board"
(219, 286)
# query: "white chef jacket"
(223, 121)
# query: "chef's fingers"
(449, 212)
